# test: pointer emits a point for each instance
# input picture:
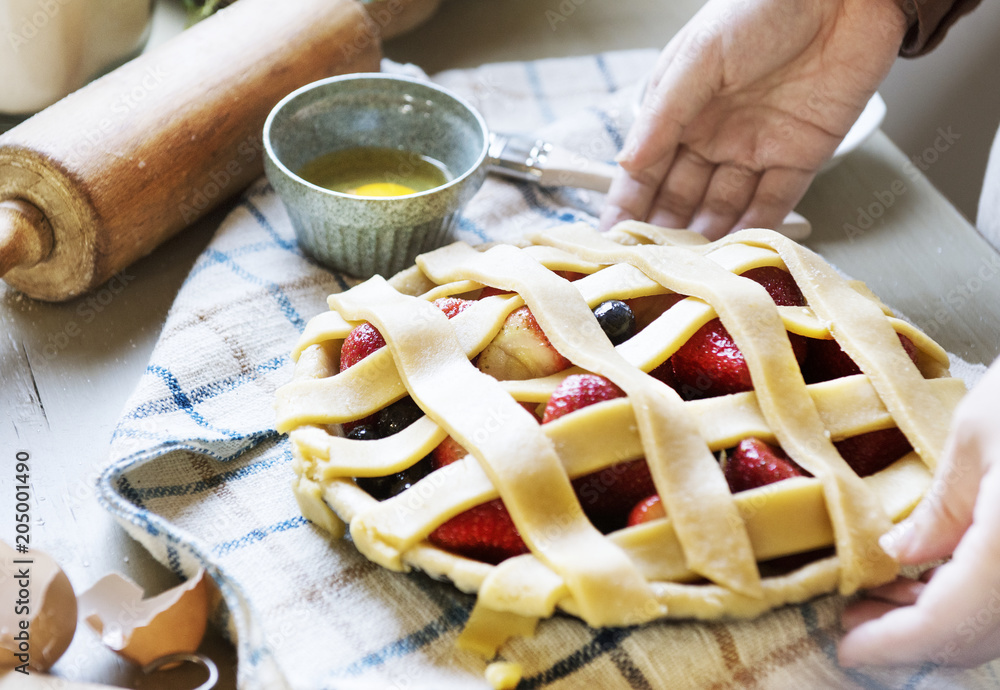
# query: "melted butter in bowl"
(373, 171)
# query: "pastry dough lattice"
(702, 560)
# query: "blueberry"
(397, 416)
(616, 319)
(387, 487)
(363, 432)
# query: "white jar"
(49, 48)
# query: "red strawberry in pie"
(447, 452)
(710, 363)
(360, 342)
(607, 495)
(485, 533)
(751, 464)
(646, 510)
(365, 339)
(872, 452)
(520, 350)
(577, 391)
(779, 285)
(755, 463)
(452, 306)
(827, 360)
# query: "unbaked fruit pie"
(623, 426)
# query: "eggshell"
(143, 630)
(48, 611)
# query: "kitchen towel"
(199, 475)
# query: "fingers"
(880, 601)
(682, 191)
(900, 592)
(726, 199)
(671, 103)
(777, 193)
(968, 465)
(676, 93)
(631, 195)
(955, 619)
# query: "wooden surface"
(67, 369)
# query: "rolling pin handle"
(25, 235)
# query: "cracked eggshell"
(48, 610)
(143, 630)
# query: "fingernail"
(895, 541)
(627, 152)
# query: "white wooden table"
(67, 369)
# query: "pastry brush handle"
(547, 164)
(544, 163)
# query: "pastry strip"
(686, 475)
(862, 330)
(373, 383)
(510, 447)
(750, 316)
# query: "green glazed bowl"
(362, 235)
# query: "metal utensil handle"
(544, 163)
(547, 164)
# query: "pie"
(416, 415)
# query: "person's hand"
(744, 106)
(952, 616)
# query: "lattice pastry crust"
(701, 560)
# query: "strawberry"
(779, 284)
(365, 339)
(754, 463)
(359, 343)
(520, 350)
(485, 533)
(874, 451)
(827, 360)
(646, 510)
(647, 308)
(665, 372)
(576, 391)
(710, 363)
(452, 306)
(608, 495)
(447, 452)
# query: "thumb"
(937, 524)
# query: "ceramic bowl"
(365, 235)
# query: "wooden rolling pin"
(102, 177)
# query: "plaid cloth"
(200, 477)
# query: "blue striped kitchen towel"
(201, 478)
